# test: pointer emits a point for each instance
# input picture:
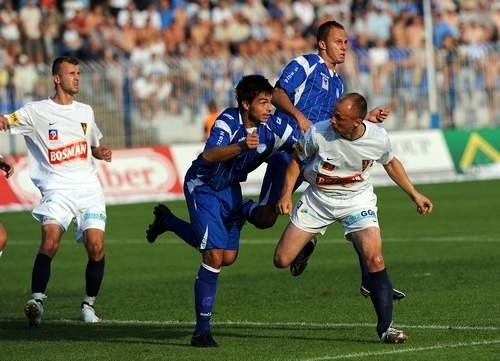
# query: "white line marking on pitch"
(324, 241)
(405, 350)
(243, 323)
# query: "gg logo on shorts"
(363, 215)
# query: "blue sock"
(181, 228)
(381, 296)
(205, 287)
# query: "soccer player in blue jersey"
(306, 93)
(241, 139)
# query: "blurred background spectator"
(210, 117)
(155, 60)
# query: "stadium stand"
(153, 66)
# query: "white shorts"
(315, 212)
(85, 207)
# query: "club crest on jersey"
(366, 163)
(325, 81)
(84, 128)
(53, 134)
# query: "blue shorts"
(274, 178)
(216, 216)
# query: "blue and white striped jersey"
(275, 134)
(311, 86)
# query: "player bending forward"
(338, 155)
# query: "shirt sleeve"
(388, 153)
(292, 76)
(95, 133)
(20, 122)
(220, 134)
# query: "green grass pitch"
(447, 263)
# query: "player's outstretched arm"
(398, 174)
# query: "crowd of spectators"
(148, 37)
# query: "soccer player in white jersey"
(8, 169)
(306, 93)
(338, 156)
(62, 140)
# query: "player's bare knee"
(95, 251)
(280, 261)
(229, 259)
(213, 258)
(49, 246)
(375, 263)
(96, 256)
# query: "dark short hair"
(359, 105)
(56, 65)
(250, 86)
(324, 29)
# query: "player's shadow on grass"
(287, 338)
(175, 335)
(72, 331)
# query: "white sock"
(89, 300)
(38, 296)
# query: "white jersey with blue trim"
(311, 86)
(275, 134)
(59, 140)
(337, 166)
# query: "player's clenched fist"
(4, 123)
(284, 205)
(252, 140)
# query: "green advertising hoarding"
(475, 151)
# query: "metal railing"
(138, 105)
